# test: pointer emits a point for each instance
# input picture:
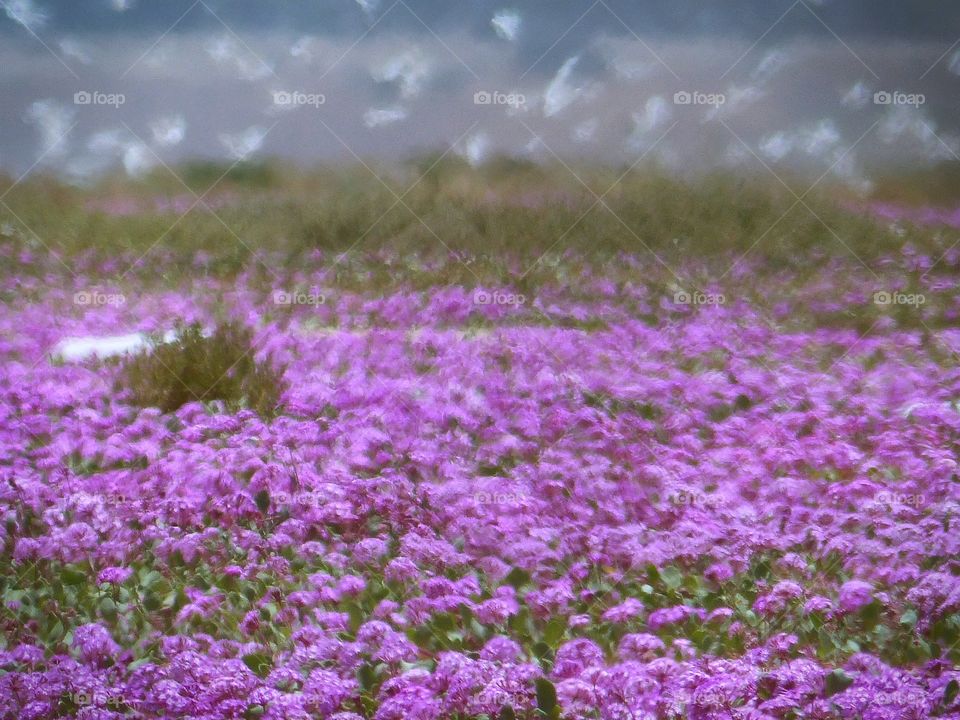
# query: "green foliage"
(510, 221)
(201, 175)
(262, 500)
(547, 698)
(259, 663)
(950, 693)
(837, 681)
(200, 367)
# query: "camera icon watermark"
(896, 97)
(108, 498)
(696, 97)
(498, 498)
(483, 297)
(883, 297)
(305, 499)
(905, 696)
(95, 298)
(296, 98)
(493, 697)
(297, 297)
(682, 297)
(95, 97)
(893, 500)
(690, 498)
(513, 100)
(89, 699)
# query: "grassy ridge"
(505, 212)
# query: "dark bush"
(200, 367)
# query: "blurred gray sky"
(841, 87)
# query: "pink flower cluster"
(664, 519)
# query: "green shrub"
(200, 367)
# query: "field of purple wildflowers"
(529, 472)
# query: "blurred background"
(856, 92)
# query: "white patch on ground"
(74, 349)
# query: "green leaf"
(507, 713)
(540, 649)
(870, 614)
(443, 621)
(518, 577)
(837, 681)
(366, 677)
(56, 630)
(73, 576)
(259, 663)
(151, 602)
(262, 499)
(672, 577)
(546, 696)
(109, 608)
(950, 692)
(554, 631)
(270, 609)
(150, 577)
(356, 617)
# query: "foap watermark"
(689, 498)
(305, 499)
(484, 97)
(701, 697)
(682, 297)
(883, 297)
(887, 499)
(297, 297)
(95, 97)
(696, 97)
(498, 498)
(297, 98)
(897, 97)
(96, 298)
(903, 696)
(98, 699)
(493, 697)
(108, 498)
(483, 297)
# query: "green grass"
(199, 367)
(504, 209)
(512, 223)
